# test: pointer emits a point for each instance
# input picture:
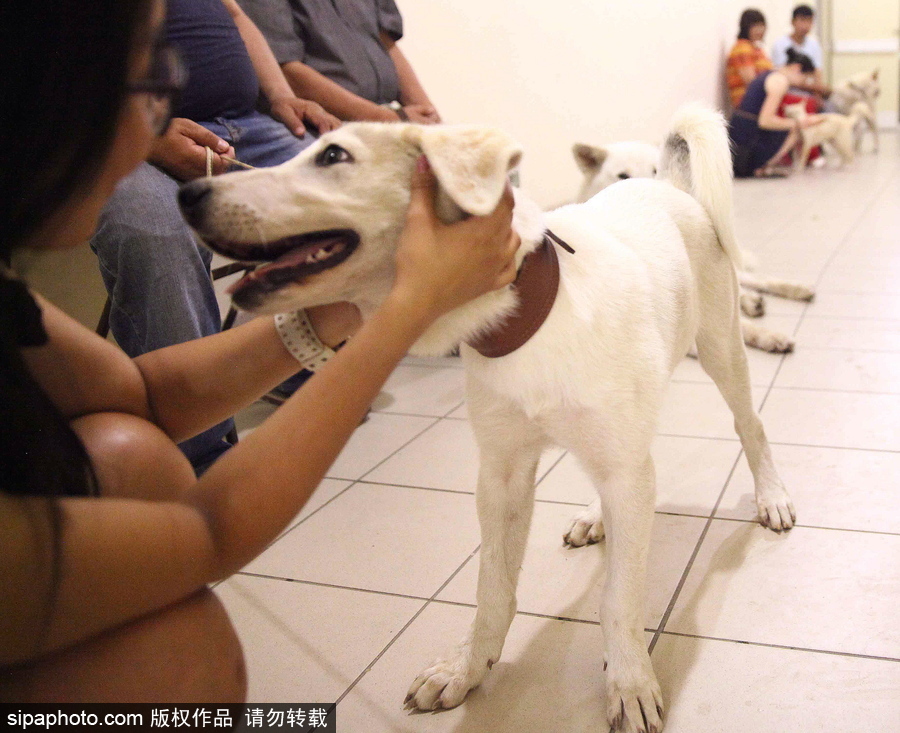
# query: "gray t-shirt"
(338, 38)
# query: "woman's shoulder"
(742, 47)
(775, 81)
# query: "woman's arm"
(76, 567)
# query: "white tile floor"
(750, 631)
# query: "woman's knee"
(186, 653)
(133, 458)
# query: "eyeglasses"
(162, 87)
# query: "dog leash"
(209, 162)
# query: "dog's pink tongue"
(309, 254)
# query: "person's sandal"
(772, 172)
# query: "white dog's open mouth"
(287, 261)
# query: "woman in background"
(747, 59)
(760, 136)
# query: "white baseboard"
(867, 45)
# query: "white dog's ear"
(588, 157)
(471, 164)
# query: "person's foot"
(772, 171)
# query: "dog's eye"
(623, 176)
(654, 171)
(333, 154)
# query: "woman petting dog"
(760, 137)
(109, 540)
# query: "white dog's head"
(324, 226)
(605, 166)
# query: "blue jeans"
(157, 276)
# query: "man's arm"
(308, 83)
(412, 93)
(284, 103)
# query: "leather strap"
(536, 285)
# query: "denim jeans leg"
(158, 280)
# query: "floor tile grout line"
(786, 647)
(709, 521)
(418, 613)
(418, 435)
(822, 271)
(690, 563)
(781, 442)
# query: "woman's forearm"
(270, 474)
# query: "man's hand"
(181, 151)
(292, 111)
(423, 114)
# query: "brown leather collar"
(536, 285)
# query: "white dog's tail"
(696, 157)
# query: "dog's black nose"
(192, 198)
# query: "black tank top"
(221, 81)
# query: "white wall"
(556, 73)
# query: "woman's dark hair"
(65, 72)
(749, 18)
(796, 57)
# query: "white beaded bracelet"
(300, 339)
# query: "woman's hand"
(441, 266)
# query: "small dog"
(604, 166)
(651, 274)
(862, 87)
(835, 130)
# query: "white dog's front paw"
(446, 683)
(586, 527)
(634, 701)
(753, 305)
(776, 510)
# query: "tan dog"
(834, 130)
(862, 87)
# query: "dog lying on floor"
(604, 166)
(835, 130)
(651, 274)
(863, 87)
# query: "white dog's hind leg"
(781, 288)
(505, 498)
(586, 527)
(723, 357)
(760, 337)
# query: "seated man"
(802, 41)
(345, 57)
(157, 275)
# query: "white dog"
(862, 87)
(651, 274)
(604, 166)
(834, 130)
